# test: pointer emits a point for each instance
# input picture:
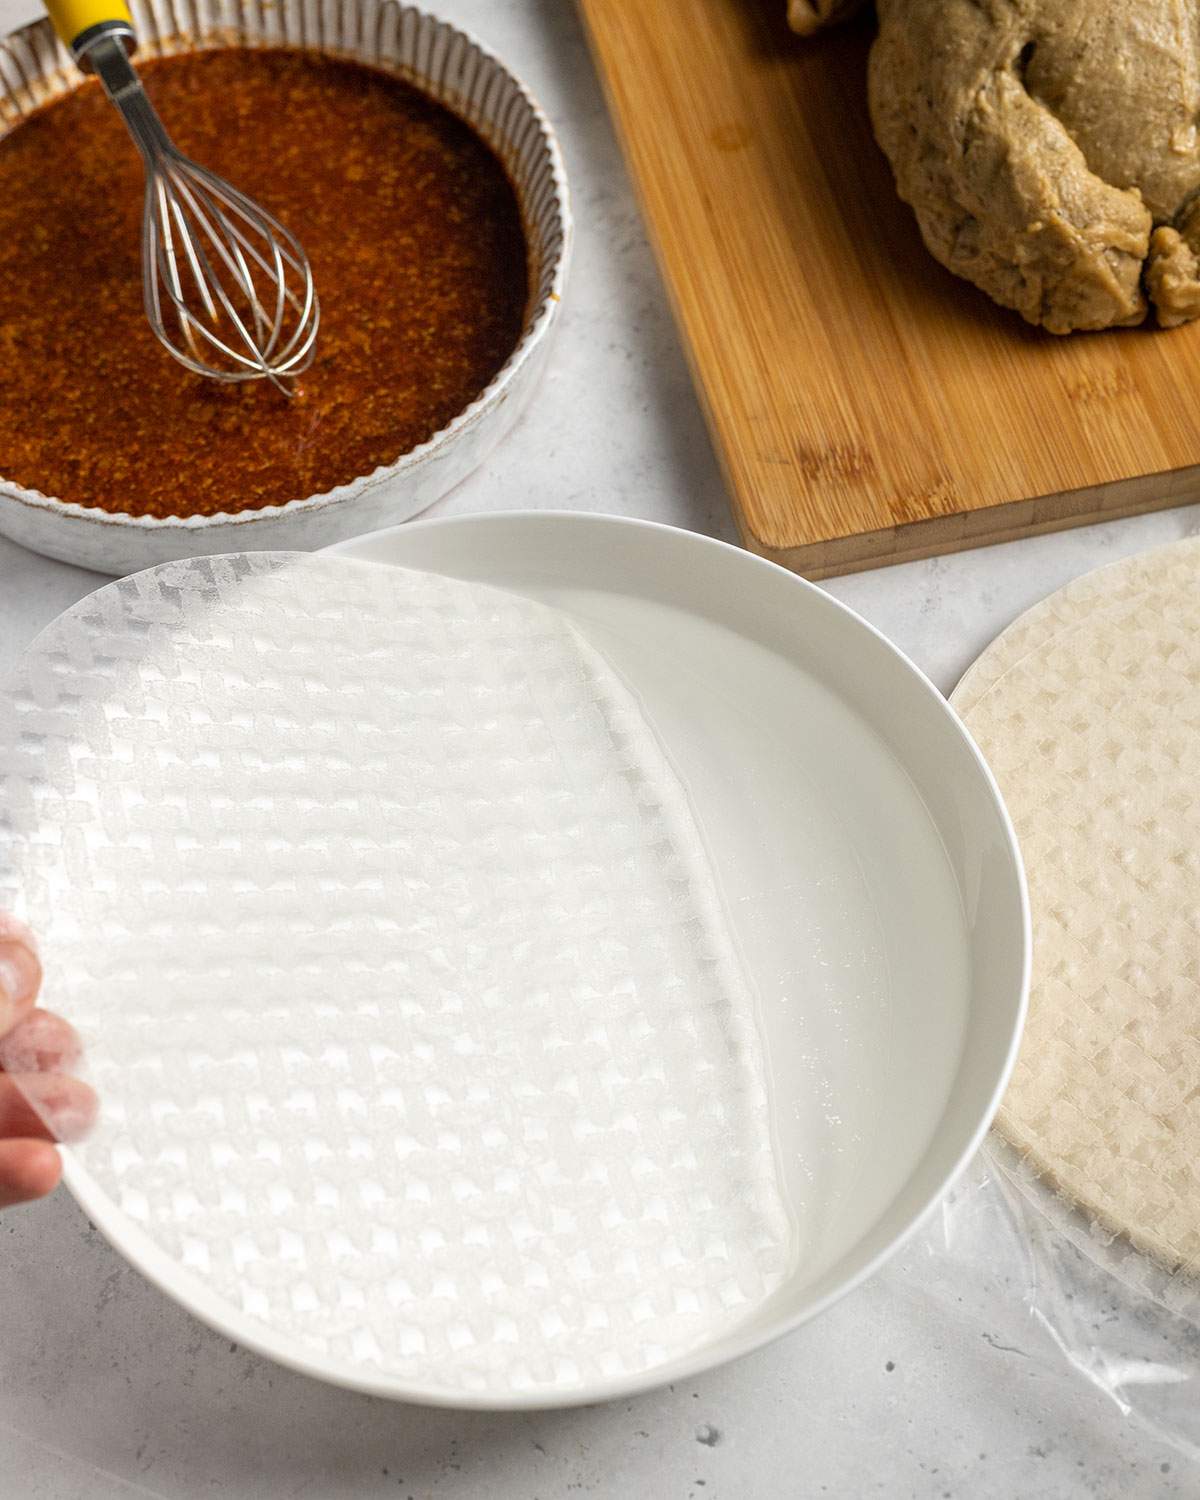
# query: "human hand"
(37, 1051)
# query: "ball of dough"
(1049, 149)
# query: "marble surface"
(107, 1389)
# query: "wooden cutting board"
(867, 406)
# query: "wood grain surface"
(867, 406)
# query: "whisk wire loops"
(227, 289)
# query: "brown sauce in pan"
(418, 253)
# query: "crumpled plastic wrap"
(1002, 1238)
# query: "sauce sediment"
(409, 221)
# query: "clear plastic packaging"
(1090, 1304)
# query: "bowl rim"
(530, 341)
(152, 1262)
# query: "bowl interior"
(865, 856)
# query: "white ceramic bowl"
(457, 71)
(869, 869)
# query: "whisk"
(227, 289)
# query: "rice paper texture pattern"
(420, 1033)
(1088, 710)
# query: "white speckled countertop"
(107, 1389)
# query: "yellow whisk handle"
(80, 23)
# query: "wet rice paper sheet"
(423, 1044)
